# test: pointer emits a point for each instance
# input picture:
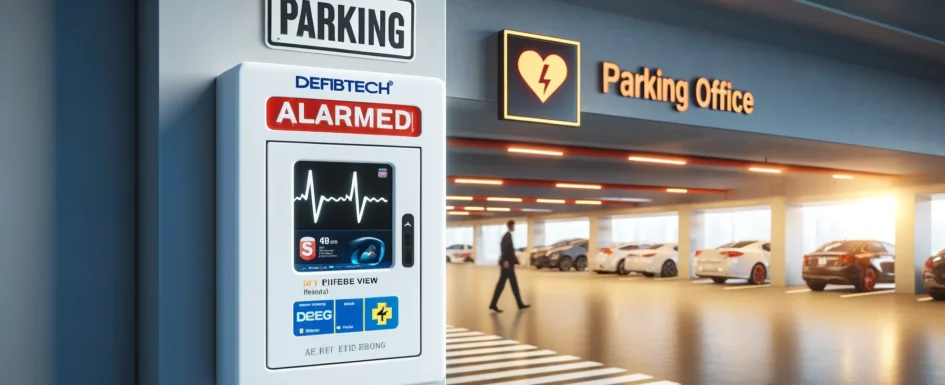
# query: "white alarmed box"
(330, 189)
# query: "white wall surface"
(872, 218)
(726, 226)
(566, 229)
(458, 235)
(492, 237)
(662, 228)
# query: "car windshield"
(562, 243)
(839, 247)
(736, 245)
(455, 247)
(652, 247)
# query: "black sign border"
(503, 74)
(312, 49)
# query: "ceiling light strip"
(647, 159)
(478, 181)
(535, 151)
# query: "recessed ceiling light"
(450, 207)
(765, 170)
(473, 208)
(842, 176)
(586, 202)
(617, 199)
(501, 199)
(534, 151)
(677, 190)
(458, 198)
(579, 185)
(537, 210)
(504, 209)
(479, 181)
(656, 160)
(554, 201)
(457, 213)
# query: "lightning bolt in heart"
(543, 79)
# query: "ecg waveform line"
(353, 196)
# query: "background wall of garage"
(183, 46)
(797, 95)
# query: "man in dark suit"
(507, 261)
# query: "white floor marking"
(462, 334)
(508, 364)
(456, 330)
(661, 383)
(797, 291)
(564, 377)
(521, 372)
(924, 299)
(701, 281)
(746, 287)
(472, 339)
(480, 344)
(869, 293)
(498, 357)
(616, 380)
(472, 352)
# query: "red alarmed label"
(343, 117)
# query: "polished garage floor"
(700, 333)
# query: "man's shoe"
(495, 309)
(520, 307)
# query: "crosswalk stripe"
(497, 357)
(564, 377)
(661, 383)
(508, 364)
(480, 344)
(456, 330)
(616, 380)
(521, 372)
(472, 352)
(463, 334)
(472, 339)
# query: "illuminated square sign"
(539, 79)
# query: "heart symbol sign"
(543, 76)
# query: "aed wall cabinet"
(330, 188)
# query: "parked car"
(740, 260)
(610, 259)
(572, 253)
(933, 276)
(520, 254)
(539, 257)
(460, 253)
(861, 263)
(650, 260)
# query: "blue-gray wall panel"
(797, 95)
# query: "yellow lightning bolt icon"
(381, 313)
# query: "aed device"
(330, 191)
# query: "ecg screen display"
(344, 215)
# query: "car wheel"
(668, 269)
(649, 274)
(468, 260)
(867, 281)
(719, 280)
(937, 295)
(758, 275)
(816, 286)
(580, 264)
(621, 269)
(564, 264)
(447, 259)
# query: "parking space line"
(480, 344)
(870, 293)
(616, 380)
(462, 334)
(456, 330)
(508, 364)
(924, 299)
(521, 372)
(498, 357)
(471, 339)
(797, 291)
(745, 287)
(563, 377)
(472, 352)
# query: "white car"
(741, 260)
(650, 260)
(608, 259)
(460, 254)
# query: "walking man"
(507, 261)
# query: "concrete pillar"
(478, 248)
(601, 234)
(913, 239)
(787, 243)
(536, 235)
(691, 238)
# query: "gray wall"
(797, 95)
(184, 45)
(67, 195)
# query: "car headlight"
(554, 256)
